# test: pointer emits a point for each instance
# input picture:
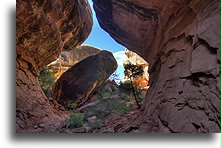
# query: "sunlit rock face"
(180, 41)
(132, 58)
(43, 30)
(78, 83)
(69, 58)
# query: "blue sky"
(101, 39)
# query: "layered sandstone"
(180, 41)
(78, 83)
(43, 29)
(69, 58)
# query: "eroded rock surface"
(43, 29)
(69, 58)
(81, 80)
(180, 41)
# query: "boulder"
(43, 29)
(69, 58)
(180, 41)
(81, 80)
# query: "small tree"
(131, 72)
(46, 80)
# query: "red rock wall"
(180, 41)
(43, 29)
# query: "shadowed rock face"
(43, 29)
(180, 41)
(81, 80)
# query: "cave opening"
(86, 95)
(119, 93)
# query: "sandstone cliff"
(43, 29)
(69, 58)
(180, 41)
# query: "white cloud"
(119, 53)
(120, 57)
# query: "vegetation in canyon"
(133, 71)
(46, 80)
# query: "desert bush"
(75, 121)
(73, 105)
(96, 112)
(94, 124)
(46, 80)
(122, 108)
(102, 109)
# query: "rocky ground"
(109, 106)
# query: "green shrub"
(122, 108)
(74, 105)
(102, 109)
(46, 80)
(105, 95)
(94, 124)
(75, 120)
(70, 110)
(102, 115)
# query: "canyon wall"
(180, 41)
(43, 29)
